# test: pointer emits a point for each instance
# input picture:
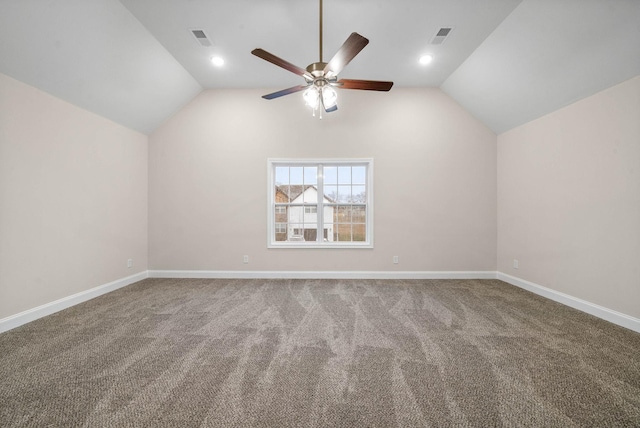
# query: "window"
(320, 203)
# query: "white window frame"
(271, 238)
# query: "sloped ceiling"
(96, 55)
(136, 61)
(545, 55)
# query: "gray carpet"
(312, 353)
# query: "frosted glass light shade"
(311, 97)
(329, 97)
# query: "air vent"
(441, 36)
(201, 37)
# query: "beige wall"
(73, 191)
(569, 199)
(435, 181)
(73, 199)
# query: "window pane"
(359, 194)
(330, 175)
(295, 175)
(331, 193)
(282, 175)
(328, 232)
(310, 195)
(295, 193)
(359, 175)
(342, 232)
(296, 214)
(344, 175)
(358, 214)
(343, 214)
(311, 175)
(310, 233)
(281, 232)
(280, 214)
(359, 233)
(344, 194)
(282, 193)
(298, 232)
(311, 217)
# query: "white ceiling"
(136, 61)
(545, 55)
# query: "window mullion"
(320, 204)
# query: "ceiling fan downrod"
(316, 69)
(320, 38)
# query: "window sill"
(296, 245)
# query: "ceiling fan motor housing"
(319, 78)
(317, 68)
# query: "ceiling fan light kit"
(321, 78)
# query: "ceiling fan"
(321, 77)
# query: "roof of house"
(294, 191)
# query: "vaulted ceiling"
(137, 62)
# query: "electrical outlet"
(130, 263)
(245, 259)
(516, 264)
(395, 260)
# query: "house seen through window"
(320, 203)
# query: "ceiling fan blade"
(351, 47)
(367, 85)
(261, 53)
(285, 92)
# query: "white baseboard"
(66, 302)
(247, 274)
(29, 315)
(582, 305)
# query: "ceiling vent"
(441, 36)
(201, 37)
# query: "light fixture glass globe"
(329, 97)
(311, 97)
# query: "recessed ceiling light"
(425, 59)
(217, 61)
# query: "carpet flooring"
(316, 353)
